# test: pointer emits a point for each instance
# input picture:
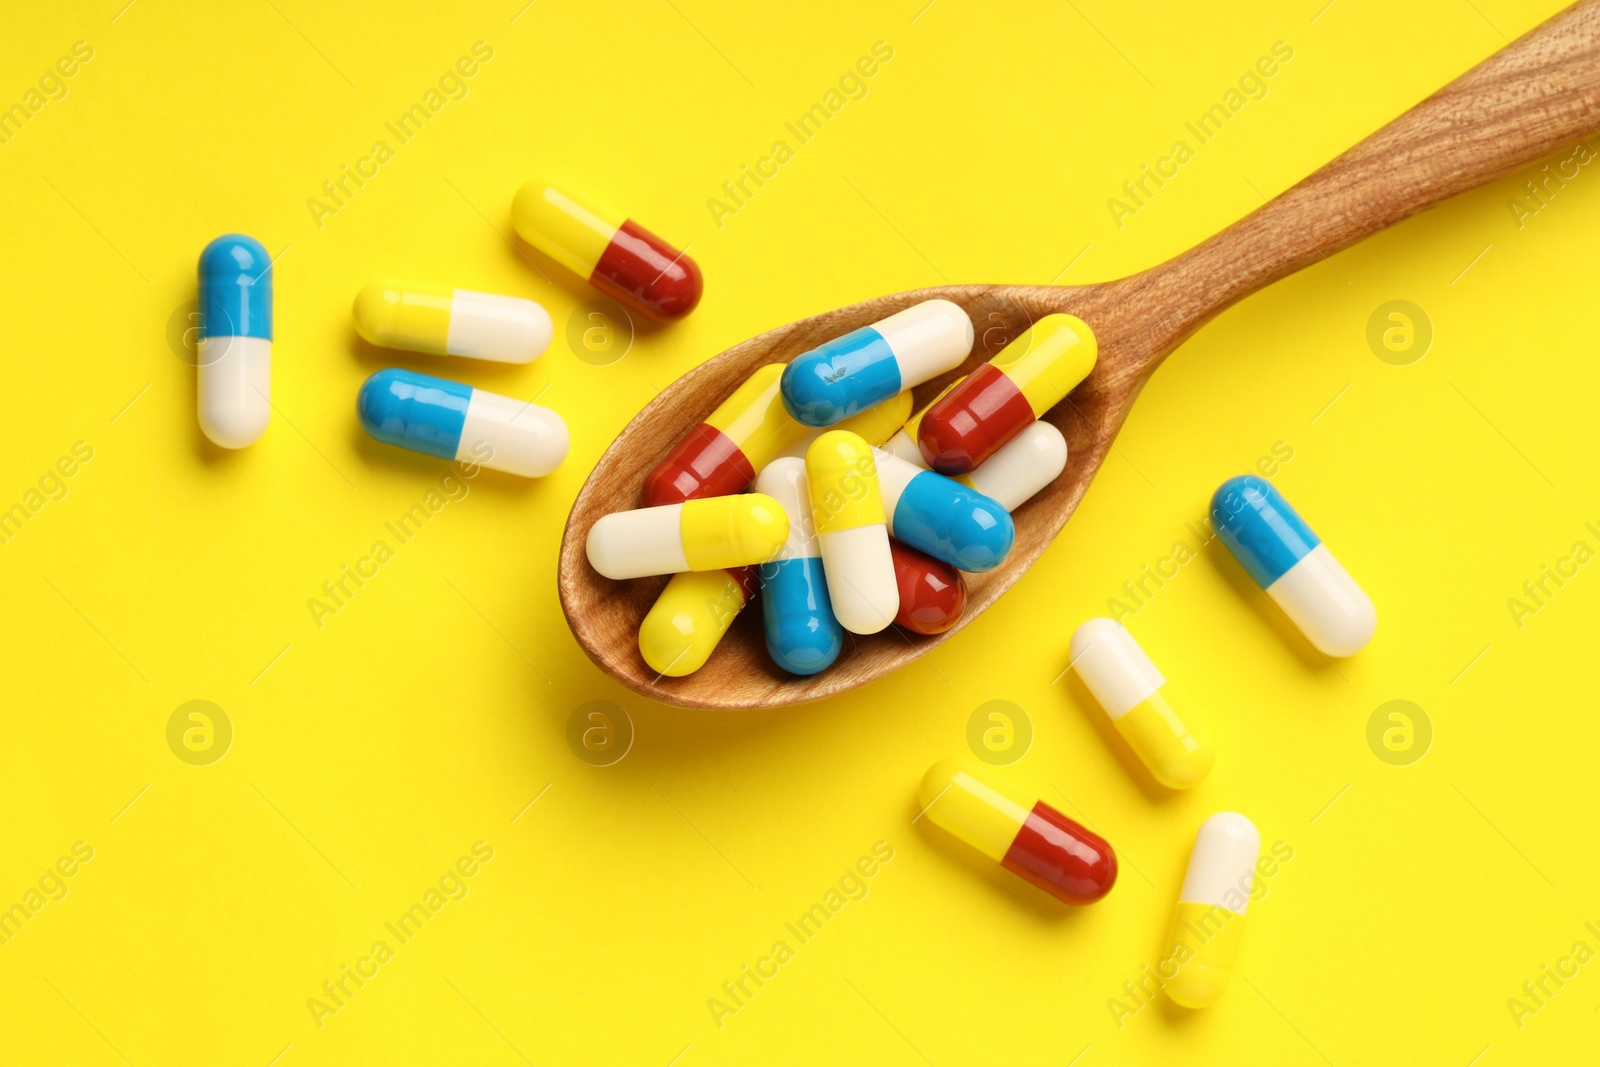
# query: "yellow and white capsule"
(1208, 923)
(852, 532)
(697, 535)
(452, 322)
(1131, 691)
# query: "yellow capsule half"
(754, 419)
(1129, 688)
(1049, 360)
(732, 531)
(844, 483)
(689, 618)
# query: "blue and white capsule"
(803, 637)
(846, 376)
(234, 386)
(1292, 565)
(438, 417)
(940, 516)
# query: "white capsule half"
(234, 383)
(1023, 466)
(515, 436)
(860, 573)
(492, 326)
(784, 480)
(1113, 667)
(634, 544)
(1222, 868)
(1321, 598)
(927, 339)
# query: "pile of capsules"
(862, 517)
(1298, 573)
(436, 416)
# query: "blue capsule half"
(236, 288)
(953, 523)
(414, 411)
(841, 378)
(803, 637)
(1263, 532)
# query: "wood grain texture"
(1539, 94)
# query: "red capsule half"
(643, 271)
(932, 594)
(722, 455)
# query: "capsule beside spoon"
(1292, 565)
(438, 417)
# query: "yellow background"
(429, 711)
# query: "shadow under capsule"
(1113, 740)
(1289, 635)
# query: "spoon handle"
(1539, 94)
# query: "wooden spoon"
(1537, 95)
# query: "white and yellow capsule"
(452, 322)
(1208, 923)
(1132, 693)
(697, 535)
(852, 531)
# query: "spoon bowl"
(1537, 95)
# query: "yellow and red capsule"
(1038, 844)
(1000, 399)
(621, 259)
(722, 455)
